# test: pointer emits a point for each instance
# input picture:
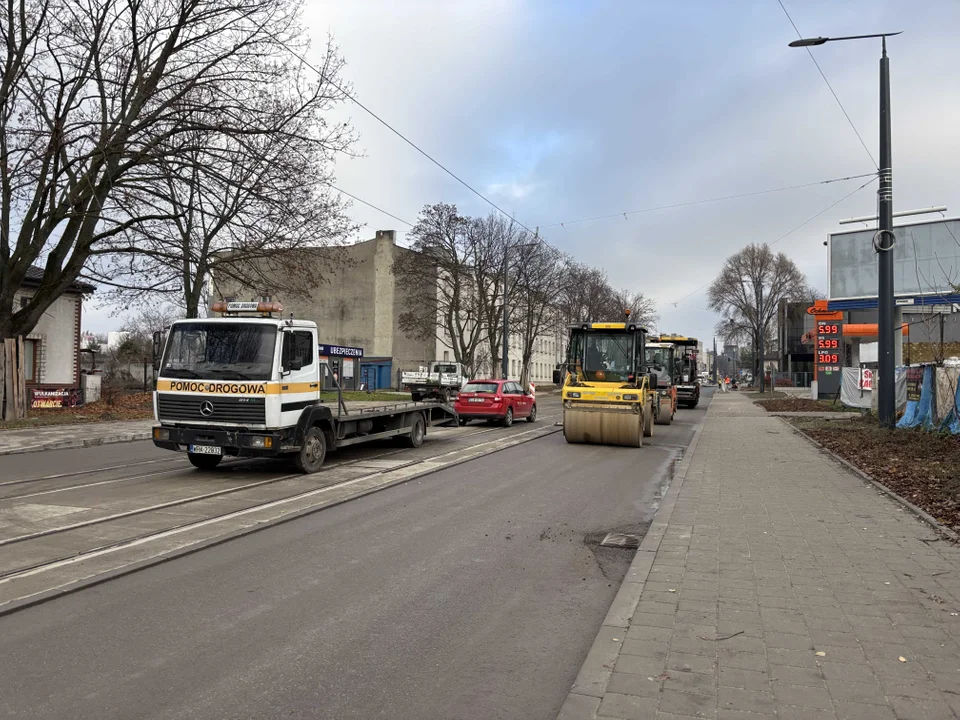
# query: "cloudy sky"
(559, 110)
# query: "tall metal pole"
(886, 400)
(505, 362)
(714, 359)
(763, 329)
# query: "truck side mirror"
(557, 376)
(294, 365)
(157, 348)
(654, 380)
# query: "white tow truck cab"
(248, 384)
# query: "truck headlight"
(631, 396)
(161, 434)
(573, 395)
(259, 441)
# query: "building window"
(30, 364)
(446, 356)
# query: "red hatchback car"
(501, 400)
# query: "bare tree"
(490, 237)
(539, 272)
(440, 275)
(748, 291)
(236, 206)
(96, 94)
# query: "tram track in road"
(180, 466)
(89, 552)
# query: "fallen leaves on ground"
(920, 466)
(127, 406)
(795, 404)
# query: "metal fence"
(788, 379)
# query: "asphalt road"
(474, 592)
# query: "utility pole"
(884, 240)
(714, 359)
(763, 328)
(884, 243)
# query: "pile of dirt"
(119, 406)
(795, 404)
(920, 466)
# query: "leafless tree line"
(457, 277)
(139, 138)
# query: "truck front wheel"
(312, 452)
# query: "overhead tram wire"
(788, 233)
(370, 205)
(704, 201)
(410, 142)
(832, 91)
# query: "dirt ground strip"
(920, 466)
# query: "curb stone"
(924, 516)
(583, 700)
(88, 442)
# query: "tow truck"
(247, 384)
(685, 373)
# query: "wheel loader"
(608, 397)
(660, 358)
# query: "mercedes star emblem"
(206, 408)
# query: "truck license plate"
(206, 450)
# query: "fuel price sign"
(829, 346)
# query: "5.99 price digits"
(829, 329)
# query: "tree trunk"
(13, 391)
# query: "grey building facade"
(358, 305)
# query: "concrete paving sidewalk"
(776, 584)
(59, 437)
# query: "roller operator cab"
(660, 358)
(608, 396)
(685, 373)
(248, 384)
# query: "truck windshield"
(659, 359)
(231, 351)
(607, 356)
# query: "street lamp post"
(505, 361)
(884, 240)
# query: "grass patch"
(795, 404)
(359, 395)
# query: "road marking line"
(80, 557)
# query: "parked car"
(495, 400)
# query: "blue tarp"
(919, 413)
(951, 421)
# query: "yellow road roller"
(608, 398)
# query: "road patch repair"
(27, 581)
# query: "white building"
(52, 348)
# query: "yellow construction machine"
(608, 398)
